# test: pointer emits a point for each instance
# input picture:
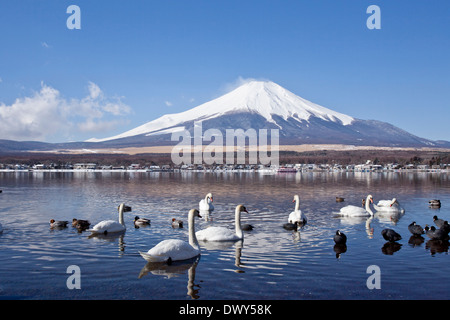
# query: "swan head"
(194, 212)
(210, 196)
(296, 198)
(370, 198)
(124, 207)
(394, 201)
(241, 208)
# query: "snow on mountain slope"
(265, 98)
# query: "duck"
(80, 224)
(174, 249)
(297, 215)
(445, 226)
(111, 226)
(291, 226)
(58, 224)
(355, 211)
(340, 238)
(415, 229)
(436, 234)
(390, 235)
(389, 206)
(434, 203)
(438, 222)
(247, 227)
(1, 228)
(177, 223)
(339, 199)
(222, 233)
(141, 221)
(206, 204)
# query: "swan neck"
(237, 221)
(121, 220)
(192, 238)
(297, 204)
(368, 206)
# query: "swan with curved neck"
(389, 206)
(206, 204)
(174, 249)
(111, 226)
(354, 211)
(222, 233)
(297, 215)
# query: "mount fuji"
(267, 105)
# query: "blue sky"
(133, 61)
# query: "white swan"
(174, 249)
(206, 204)
(389, 206)
(297, 215)
(354, 211)
(222, 233)
(110, 226)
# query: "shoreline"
(281, 148)
(263, 171)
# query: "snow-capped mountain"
(264, 98)
(266, 105)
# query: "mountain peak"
(265, 98)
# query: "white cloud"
(45, 44)
(47, 115)
(168, 103)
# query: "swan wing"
(173, 249)
(203, 205)
(107, 225)
(353, 211)
(295, 216)
(216, 234)
(384, 203)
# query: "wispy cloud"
(47, 115)
(45, 44)
(168, 103)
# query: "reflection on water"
(175, 269)
(270, 263)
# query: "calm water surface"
(271, 263)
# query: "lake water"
(270, 264)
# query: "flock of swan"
(175, 250)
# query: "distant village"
(368, 166)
